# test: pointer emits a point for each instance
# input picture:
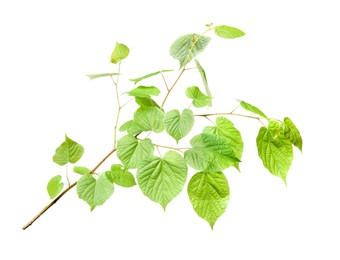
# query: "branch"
(228, 114)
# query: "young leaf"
(136, 80)
(146, 102)
(119, 53)
(81, 170)
(120, 176)
(54, 186)
(198, 98)
(294, 133)
(275, 153)
(204, 79)
(149, 119)
(130, 127)
(179, 125)
(95, 76)
(209, 195)
(274, 127)
(131, 152)
(252, 109)
(226, 129)
(144, 92)
(94, 192)
(68, 151)
(210, 153)
(187, 47)
(162, 179)
(228, 32)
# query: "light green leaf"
(228, 32)
(149, 119)
(162, 179)
(179, 125)
(95, 76)
(54, 186)
(274, 127)
(81, 170)
(210, 153)
(187, 47)
(252, 109)
(131, 152)
(146, 102)
(225, 128)
(144, 92)
(204, 79)
(120, 52)
(198, 98)
(209, 195)
(94, 191)
(294, 133)
(68, 151)
(130, 127)
(120, 176)
(275, 153)
(136, 80)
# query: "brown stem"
(229, 114)
(64, 192)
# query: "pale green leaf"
(81, 170)
(209, 195)
(274, 127)
(294, 133)
(187, 47)
(146, 102)
(55, 186)
(120, 52)
(130, 127)
(120, 176)
(228, 32)
(198, 98)
(162, 179)
(179, 125)
(210, 153)
(131, 152)
(275, 153)
(204, 79)
(252, 109)
(136, 80)
(95, 76)
(144, 92)
(68, 151)
(94, 191)
(149, 119)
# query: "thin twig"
(166, 84)
(228, 114)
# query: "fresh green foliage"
(146, 102)
(136, 80)
(179, 125)
(228, 32)
(149, 119)
(95, 76)
(68, 151)
(162, 179)
(293, 133)
(252, 109)
(81, 170)
(198, 98)
(144, 92)
(209, 195)
(120, 52)
(55, 186)
(130, 127)
(187, 47)
(204, 79)
(94, 191)
(120, 176)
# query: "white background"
(287, 64)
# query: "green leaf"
(275, 153)
(136, 80)
(228, 32)
(54, 186)
(94, 191)
(119, 53)
(162, 179)
(120, 176)
(81, 170)
(210, 153)
(130, 127)
(179, 125)
(274, 127)
(226, 129)
(187, 47)
(204, 79)
(146, 102)
(198, 98)
(209, 195)
(95, 76)
(294, 133)
(68, 151)
(131, 152)
(144, 92)
(252, 109)
(149, 119)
